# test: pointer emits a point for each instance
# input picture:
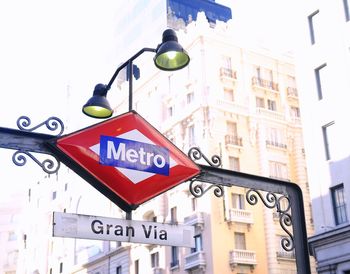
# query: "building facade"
(10, 220)
(239, 103)
(323, 62)
(242, 105)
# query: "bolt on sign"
(126, 159)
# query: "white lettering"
(132, 155)
(162, 161)
(115, 154)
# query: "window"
(54, 195)
(339, 204)
(174, 256)
(198, 243)
(189, 97)
(269, 76)
(233, 163)
(271, 105)
(170, 111)
(258, 72)
(226, 62)
(237, 201)
(173, 215)
(61, 267)
(118, 270)
(318, 72)
(275, 137)
(137, 267)
(155, 260)
(346, 10)
(66, 187)
(327, 132)
(229, 95)
(12, 236)
(231, 128)
(260, 102)
(194, 204)
(294, 112)
(170, 77)
(240, 241)
(278, 170)
(311, 20)
(191, 138)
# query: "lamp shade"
(170, 55)
(98, 106)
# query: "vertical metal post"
(130, 83)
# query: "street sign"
(111, 229)
(126, 159)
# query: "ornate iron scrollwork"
(272, 201)
(19, 158)
(52, 124)
(196, 154)
(198, 190)
(48, 165)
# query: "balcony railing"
(239, 256)
(241, 216)
(227, 72)
(292, 92)
(276, 144)
(231, 106)
(233, 140)
(195, 260)
(265, 83)
(271, 114)
(157, 270)
(196, 219)
(285, 255)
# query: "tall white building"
(323, 80)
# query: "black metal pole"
(223, 177)
(130, 76)
(126, 63)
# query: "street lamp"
(169, 56)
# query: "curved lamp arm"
(128, 63)
(170, 56)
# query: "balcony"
(196, 219)
(275, 144)
(241, 216)
(231, 106)
(266, 84)
(292, 92)
(270, 114)
(233, 140)
(245, 257)
(228, 73)
(157, 270)
(195, 260)
(285, 255)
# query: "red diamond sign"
(126, 159)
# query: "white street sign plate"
(111, 229)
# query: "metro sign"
(126, 159)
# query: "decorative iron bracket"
(276, 191)
(26, 142)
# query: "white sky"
(46, 52)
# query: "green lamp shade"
(170, 55)
(97, 106)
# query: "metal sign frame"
(25, 141)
